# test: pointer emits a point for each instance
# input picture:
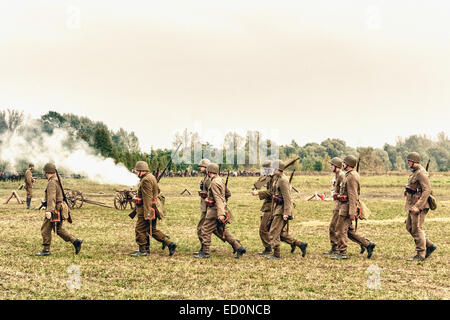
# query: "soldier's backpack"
(432, 202)
(363, 211)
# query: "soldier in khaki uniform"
(29, 184)
(56, 213)
(417, 192)
(282, 212)
(266, 209)
(203, 193)
(148, 209)
(349, 201)
(216, 214)
(336, 166)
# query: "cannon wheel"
(120, 201)
(75, 198)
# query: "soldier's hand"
(48, 215)
(222, 218)
(254, 192)
(415, 210)
(285, 217)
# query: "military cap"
(141, 166)
(213, 168)
(414, 157)
(204, 163)
(267, 164)
(350, 161)
(278, 165)
(49, 168)
(336, 161)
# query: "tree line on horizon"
(123, 147)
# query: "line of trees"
(123, 146)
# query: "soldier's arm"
(147, 197)
(265, 195)
(51, 196)
(426, 191)
(352, 192)
(218, 198)
(29, 178)
(286, 194)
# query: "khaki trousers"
(332, 229)
(199, 226)
(209, 227)
(345, 231)
(414, 225)
(143, 232)
(46, 231)
(279, 231)
(263, 233)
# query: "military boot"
(202, 255)
(139, 254)
(340, 256)
(362, 249)
(303, 247)
(163, 246)
(293, 246)
(234, 250)
(265, 252)
(416, 258)
(370, 248)
(331, 251)
(240, 252)
(43, 253)
(172, 246)
(273, 256)
(28, 203)
(430, 250)
(77, 244)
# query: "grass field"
(108, 272)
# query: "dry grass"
(108, 272)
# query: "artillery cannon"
(76, 199)
(123, 198)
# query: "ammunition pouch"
(137, 201)
(342, 198)
(203, 194)
(410, 190)
(432, 202)
(56, 217)
(210, 203)
(278, 200)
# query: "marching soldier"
(349, 199)
(29, 184)
(266, 209)
(148, 208)
(56, 212)
(216, 215)
(417, 192)
(203, 193)
(336, 166)
(282, 212)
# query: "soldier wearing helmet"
(417, 192)
(349, 202)
(29, 184)
(216, 215)
(336, 168)
(148, 207)
(265, 179)
(282, 212)
(203, 193)
(56, 212)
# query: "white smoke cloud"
(28, 142)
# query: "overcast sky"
(363, 71)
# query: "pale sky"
(363, 71)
